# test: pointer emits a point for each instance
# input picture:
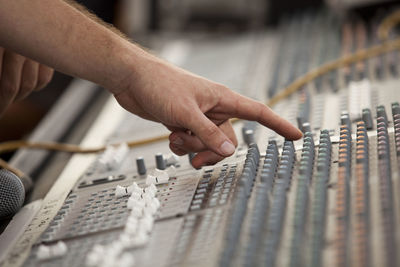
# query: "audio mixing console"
(330, 199)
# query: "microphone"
(12, 194)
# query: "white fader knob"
(43, 252)
(134, 188)
(157, 177)
(152, 189)
(120, 191)
(171, 159)
(171, 170)
(60, 249)
(126, 260)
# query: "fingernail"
(227, 148)
(178, 141)
(300, 133)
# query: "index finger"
(243, 107)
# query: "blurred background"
(255, 47)
(150, 23)
(140, 19)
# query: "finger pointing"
(245, 108)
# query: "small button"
(199, 196)
(197, 201)
(201, 190)
(140, 165)
(195, 207)
(160, 162)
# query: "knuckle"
(211, 130)
(222, 90)
(225, 88)
(195, 145)
(14, 59)
(221, 87)
(235, 106)
(177, 151)
(28, 85)
(172, 147)
(45, 78)
(180, 114)
(9, 88)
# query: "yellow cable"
(335, 64)
(292, 88)
(387, 25)
(5, 165)
(14, 145)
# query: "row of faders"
(319, 202)
(361, 225)
(319, 207)
(257, 238)
(278, 206)
(330, 202)
(239, 204)
(386, 186)
(358, 225)
(342, 209)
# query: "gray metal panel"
(56, 123)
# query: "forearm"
(57, 34)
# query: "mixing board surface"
(330, 199)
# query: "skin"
(19, 76)
(67, 38)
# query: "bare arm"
(195, 109)
(59, 35)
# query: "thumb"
(210, 134)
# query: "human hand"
(19, 76)
(196, 110)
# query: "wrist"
(129, 61)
